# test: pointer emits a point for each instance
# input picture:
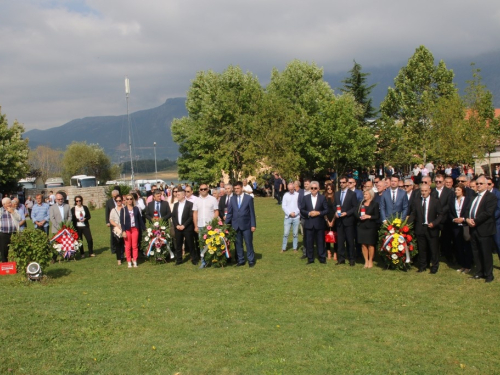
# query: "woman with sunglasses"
(114, 220)
(80, 215)
(457, 210)
(330, 218)
(132, 224)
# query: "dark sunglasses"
(314, 188)
(78, 200)
(204, 189)
(175, 191)
(129, 199)
(406, 185)
(118, 200)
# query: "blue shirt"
(40, 213)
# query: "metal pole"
(156, 169)
(127, 92)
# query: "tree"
(219, 132)
(408, 106)
(14, 154)
(481, 115)
(46, 160)
(355, 85)
(81, 158)
(319, 129)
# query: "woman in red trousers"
(131, 222)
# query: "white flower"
(388, 247)
(163, 228)
(157, 224)
(401, 247)
(391, 231)
(149, 230)
(146, 239)
(394, 256)
(401, 239)
(158, 250)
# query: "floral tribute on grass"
(157, 241)
(397, 243)
(215, 242)
(66, 242)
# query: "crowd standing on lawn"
(458, 219)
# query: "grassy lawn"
(281, 317)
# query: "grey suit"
(55, 216)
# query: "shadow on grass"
(97, 251)
(57, 273)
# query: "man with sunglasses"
(314, 208)
(446, 198)
(205, 209)
(347, 203)
(481, 221)
(182, 220)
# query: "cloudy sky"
(67, 59)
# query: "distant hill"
(111, 132)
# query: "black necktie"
(158, 208)
(474, 207)
(393, 196)
(425, 211)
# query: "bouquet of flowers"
(65, 241)
(215, 241)
(397, 244)
(157, 241)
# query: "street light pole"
(156, 169)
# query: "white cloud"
(66, 59)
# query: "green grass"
(281, 317)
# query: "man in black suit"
(426, 215)
(110, 205)
(182, 219)
(224, 201)
(445, 196)
(346, 222)
(158, 209)
(314, 208)
(481, 221)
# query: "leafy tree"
(480, 115)
(408, 106)
(355, 85)
(219, 131)
(82, 158)
(318, 128)
(46, 160)
(14, 154)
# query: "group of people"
(187, 215)
(14, 215)
(458, 219)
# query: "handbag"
(117, 232)
(466, 233)
(331, 236)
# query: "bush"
(31, 245)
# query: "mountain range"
(153, 125)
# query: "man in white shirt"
(189, 195)
(205, 208)
(292, 216)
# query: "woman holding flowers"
(131, 223)
(114, 220)
(368, 215)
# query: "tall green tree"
(356, 85)
(219, 132)
(14, 154)
(320, 129)
(89, 159)
(408, 106)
